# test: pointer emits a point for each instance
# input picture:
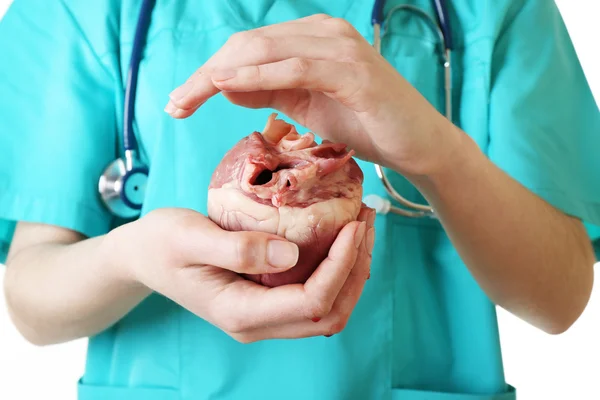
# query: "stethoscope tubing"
(379, 22)
(129, 140)
(442, 27)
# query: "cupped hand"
(323, 74)
(184, 256)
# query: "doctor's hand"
(186, 257)
(323, 74)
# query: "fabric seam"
(86, 39)
(6, 197)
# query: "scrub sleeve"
(544, 122)
(57, 121)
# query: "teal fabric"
(92, 392)
(423, 328)
(546, 134)
(57, 120)
(427, 395)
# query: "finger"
(194, 287)
(243, 48)
(370, 235)
(340, 79)
(258, 49)
(203, 242)
(289, 102)
(177, 113)
(240, 40)
(351, 291)
(256, 306)
(324, 285)
(353, 287)
(236, 49)
(296, 26)
(262, 99)
(335, 321)
(312, 18)
(187, 98)
(321, 25)
(364, 214)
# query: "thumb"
(245, 252)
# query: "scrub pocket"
(419, 61)
(94, 392)
(409, 394)
(139, 357)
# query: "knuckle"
(351, 50)
(342, 27)
(319, 308)
(241, 37)
(233, 324)
(245, 251)
(257, 74)
(233, 38)
(263, 45)
(299, 68)
(242, 338)
(322, 16)
(337, 325)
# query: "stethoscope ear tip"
(378, 203)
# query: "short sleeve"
(57, 121)
(544, 122)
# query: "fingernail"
(370, 240)
(360, 234)
(170, 108)
(369, 276)
(223, 75)
(316, 319)
(180, 92)
(282, 254)
(328, 335)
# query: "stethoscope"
(122, 186)
(409, 208)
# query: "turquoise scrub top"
(423, 328)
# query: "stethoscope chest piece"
(122, 186)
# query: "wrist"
(117, 259)
(435, 145)
(458, 157)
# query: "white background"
(542, 367)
